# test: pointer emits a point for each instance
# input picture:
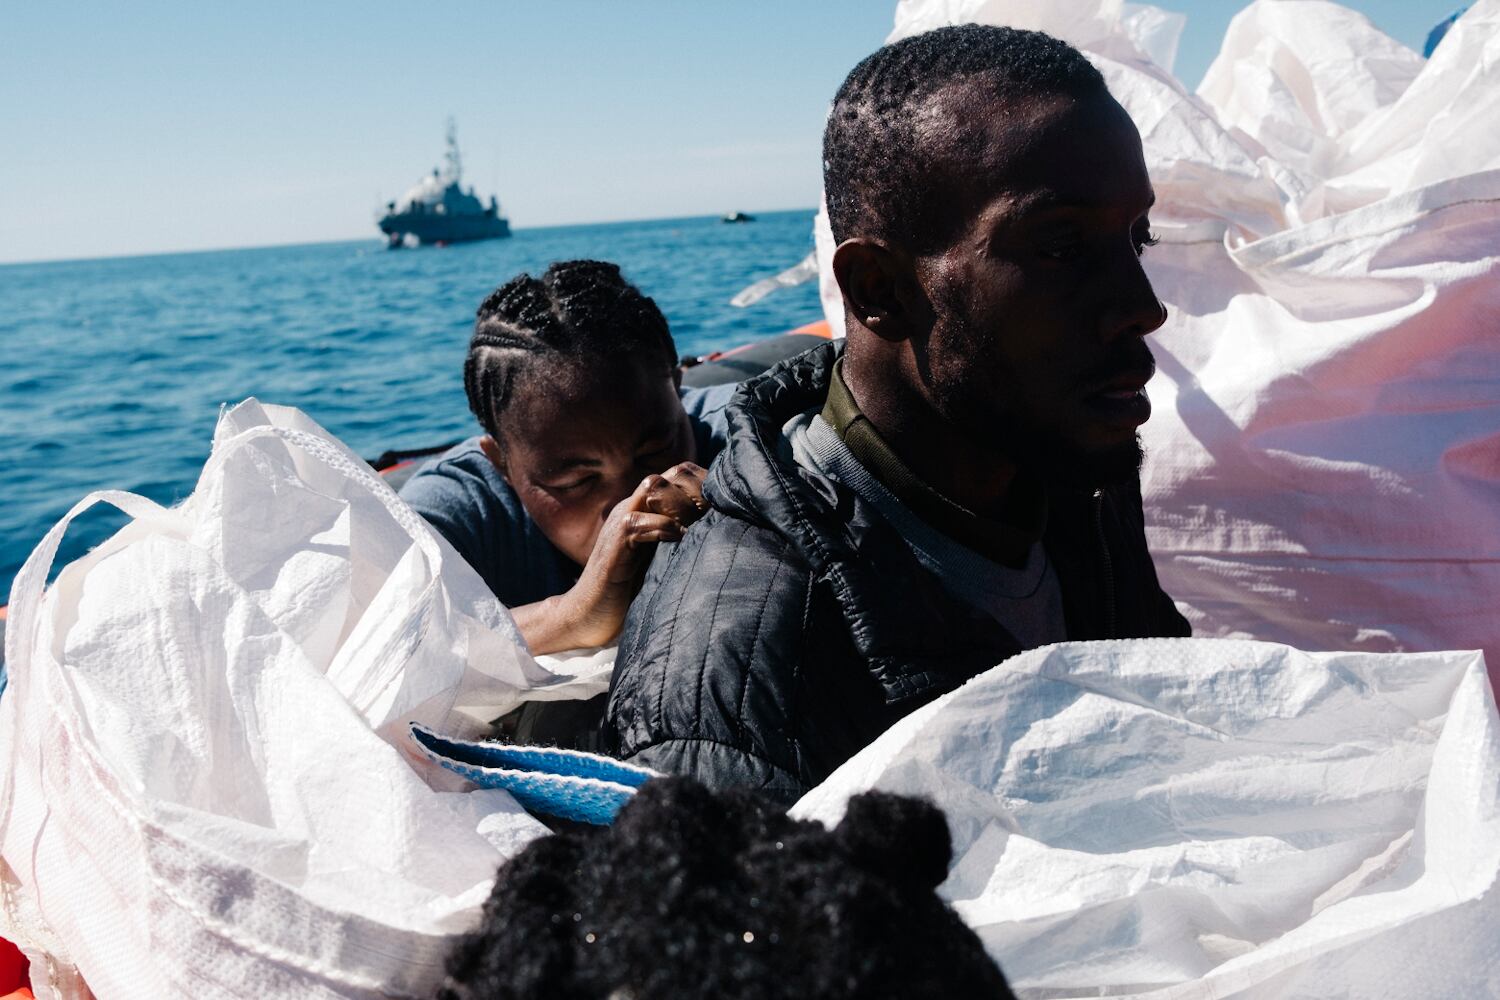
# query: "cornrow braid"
(579, 312)
(877, 170)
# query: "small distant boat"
(738, 217)
(438, 211)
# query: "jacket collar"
(914, 636)
(1006, 539)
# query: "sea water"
(114, 370)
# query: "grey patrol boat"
(439, 211)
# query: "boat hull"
(429, 228)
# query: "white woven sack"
(1213, 819)
(1324, 458)
(204, 795)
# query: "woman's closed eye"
(572, 485)
(652, 452)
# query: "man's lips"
(1126, 383)
(1122, 399)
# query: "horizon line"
(376, 239)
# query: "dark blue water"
(114, 370)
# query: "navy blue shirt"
(464, 497)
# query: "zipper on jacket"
(1108, 563)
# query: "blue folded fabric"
(571, 784)
(1440, 31)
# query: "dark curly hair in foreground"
(581, 313)
(697, 895)
(882, 156)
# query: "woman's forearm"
(564, 622)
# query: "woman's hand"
(593, 610)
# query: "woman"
(591, 452)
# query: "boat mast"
(455, 166)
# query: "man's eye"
(1063, 250)
(1150, 239)
(573, 486)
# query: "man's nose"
(1134, 309)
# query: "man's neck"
(943, 456)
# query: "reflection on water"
(115, 369)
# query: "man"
(962, 482)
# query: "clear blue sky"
(153, 126)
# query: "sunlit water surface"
(115, 369)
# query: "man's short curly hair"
(878, 175)
(697, 895)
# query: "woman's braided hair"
(578, 311)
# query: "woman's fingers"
(687, 475)
(676, 493)
(645, 526)
(656, 511)
(623, 544)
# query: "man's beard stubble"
(1033, 445)
(1060, 463)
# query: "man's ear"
(677, 377)
(491, 449)
(878, 283)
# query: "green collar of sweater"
(1005, 539)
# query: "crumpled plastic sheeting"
(1192, 818)
(1323, 463)
(208, 787)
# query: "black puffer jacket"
(792, 625)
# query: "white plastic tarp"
(1323, 462)
(208, 790)
(1210, 819)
